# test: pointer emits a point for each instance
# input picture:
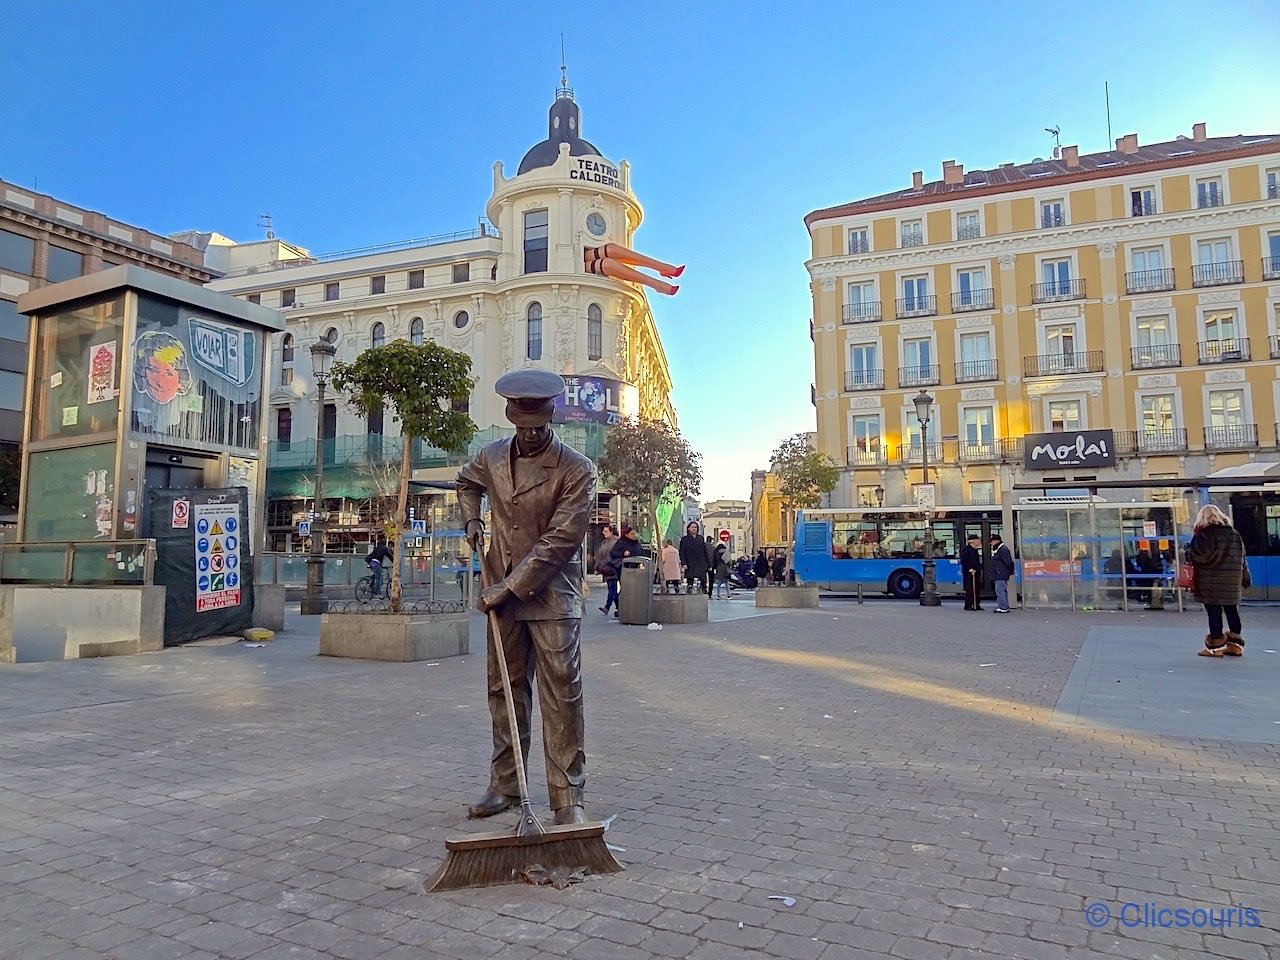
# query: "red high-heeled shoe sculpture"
(616, 261)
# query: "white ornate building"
(510, 293)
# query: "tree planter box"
(800, 597)
(679, 608)
(401, 637)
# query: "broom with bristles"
(488, 859)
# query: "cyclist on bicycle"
(380, 556)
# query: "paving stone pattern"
(905, 774)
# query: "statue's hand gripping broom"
(488, 859)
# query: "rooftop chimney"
(917, 180)
(1072, 156)
(1197, 133)
(1128, 143)
(952, 172)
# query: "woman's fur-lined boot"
(1213, 646)
(1234, 646)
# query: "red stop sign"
(724, 536)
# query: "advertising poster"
(217, 533)
(102, 372)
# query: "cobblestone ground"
(899, 772)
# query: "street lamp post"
(322, 353)
(929, 591)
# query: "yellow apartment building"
(1126, 302)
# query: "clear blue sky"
(362, 123)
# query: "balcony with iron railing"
(864, 380)
(867, 311)
(1143, 207)
(1208, 199)
(978, 451)
(1271, 268)
(859, 244)
(1275, 347)
(1229, 350)
(1217, 274)
(1048, 220)
(1273, 190)
(1057, 290)
(1156, 355)
(912, 240)
(1231, 436)
(922, 306)
(1169, 440)
(981, 299)
(969, 231)
(914, 452)
(1011, 451)
(920, 375)
(871, 456)
(972, 371)
(1149, 281)
(1056, 364)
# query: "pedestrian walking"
(971, 569)
(761, 568)
(1001, 571)
(628, 545)
(1217, 554)
(606, 569)
(670, 568)
(693, 558)
(721, 569)
(710, 547)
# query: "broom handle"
(514, 727)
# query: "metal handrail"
(1225, 350)
(110, 551)
(925, 305)
(1149, 281)
(1051, 364)
(968, 371)
(864, 380)
(1057, 290)
(863, 312)
(1156, 355)
(919, 375)
(1215, 274)
(980, 299)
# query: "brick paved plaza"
(925, 784)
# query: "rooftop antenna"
(1057, 143)
(264, 220)
(565, 92)
(1106, 91)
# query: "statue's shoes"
(493, 802)
(571, 814)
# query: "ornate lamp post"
(929, 592)
(879, 495)
(322, 354)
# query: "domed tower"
(567, 198)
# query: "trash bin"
(635, 590)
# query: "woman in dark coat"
(1217, 553)
(627, 545)
(761, 568)
(779, 567)
(693, 558)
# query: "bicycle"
(364, 586)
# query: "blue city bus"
(1255, 512)
(881, 549)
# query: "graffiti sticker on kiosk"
(223, 349)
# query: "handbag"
(1186, 576)
(607, 570)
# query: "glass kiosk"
(141, 389)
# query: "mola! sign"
(1075, 448)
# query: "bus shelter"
(1090, 554)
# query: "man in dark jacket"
(761, 568)
(693, 558)
(971, 570)
(1001, 571)
(381, 555)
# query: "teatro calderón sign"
(596, 171)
